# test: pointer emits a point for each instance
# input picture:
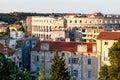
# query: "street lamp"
(44, 47)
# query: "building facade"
(105, 40)
(89, 25)
(80, 58)
(44, 27)
(92, 24)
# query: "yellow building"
(105, 40)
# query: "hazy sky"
(61, 6)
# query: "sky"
(61, 6)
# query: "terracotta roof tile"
(63, 46)
(109, 36)
(15, 26)
(9, 50)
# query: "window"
(105, 55)
(106, 21)
(90, 21)
(50, 59)
(94, 48)
(83, 30)
(89, 74)
(106, 43)
(80, 21)
(37, 70)
(75, 73)
(37, 58)
(69, 60)
(73, 60)
(89, 61)
(70, 21)
(75, 21)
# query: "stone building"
(80, 58)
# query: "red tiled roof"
(15, 26)
(3, 28)
(63, 46)
(109, 36)
(9, 50)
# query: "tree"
(41, 76)
(10, 71)
(114, 68)
(2, 34)
(104, 73)
(21, 29)
(112, 72)
(7, 31)
(18, 23)
(59, 72)
(27, 34)
(8, 68)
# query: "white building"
(43, 27)
(90, 25)
(14, 37)
(80, 58)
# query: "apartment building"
(80, 58)
(44, 27)
(95, 20)
(92, 24)
(105, 40)
(89, 25)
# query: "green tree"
(59, 72)
(18, 23)
(21, 29)
(7, 68)
(114, 68)
(7, 31)
(112, 72)
(41, 76)
(104, 73)
(27, 34)
(2, 34)
(10, 71)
